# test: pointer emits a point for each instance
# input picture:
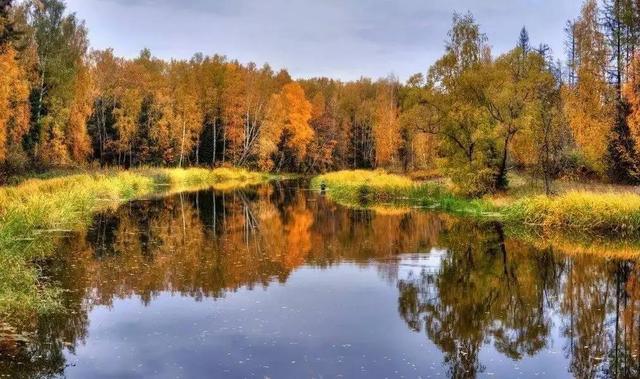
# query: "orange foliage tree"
(588, 103)
(286, 125)
(14, 105)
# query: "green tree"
(462, 127)
(508, 91)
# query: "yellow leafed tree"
(299, 114)
(587, 104)
(129, 96)
(386, 127)
(234, 110)
(78, 137)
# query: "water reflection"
(471, 301)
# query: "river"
(278, 281)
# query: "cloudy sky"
(344, 39)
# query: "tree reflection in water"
(484, 290)
(492, 290)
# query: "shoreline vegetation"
(581, 211)
(37, 211)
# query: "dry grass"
(375, 179)
(605, 212)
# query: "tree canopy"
(472, 116)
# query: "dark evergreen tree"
(622, 159)
(523, 41)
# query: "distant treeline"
(472, 116)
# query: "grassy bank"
(362, 188)
(574, 210)
(32, 212)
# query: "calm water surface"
(278, 281)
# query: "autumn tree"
(259, 86)
(286, 128)
(484, 111)
(105, 69)
(508, 91)
(462, 127)
(234, 108)
(61, 42)
(152, 143)
(357, 115)
(14, 108)
(207, 84)
(211, 76)
(181, 120)
(418, 149)
(542, 145)
(80, 109)
(127, 97)
(386, 128)
(14, 93)
(588, 103)
(324, 121)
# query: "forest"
(472, 116)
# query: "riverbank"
(33, 212)
(574, 210)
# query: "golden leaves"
(287, 122)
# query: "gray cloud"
(338, 38)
